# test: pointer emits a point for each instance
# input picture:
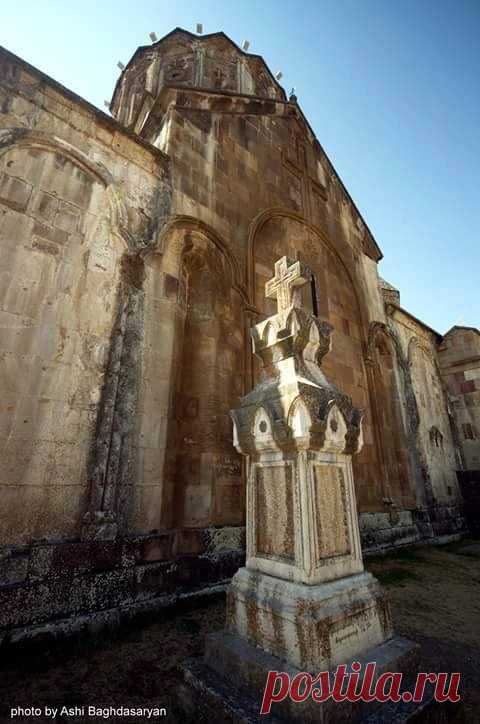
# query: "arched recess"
(277, 233)
(24, 138)
(194, 371)
(208, 481)
(397, 418)
(61, 243)
(434, 435)
(313, 236)
(171, 243)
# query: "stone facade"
(459, 357)
(135, 255)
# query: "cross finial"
(285, 286)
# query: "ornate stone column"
(303, 597)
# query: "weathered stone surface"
(313, 627)
(72, 580)
(459, 359)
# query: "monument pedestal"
(314, 627)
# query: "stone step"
(205, 697)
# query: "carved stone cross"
(285, 286)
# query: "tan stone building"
(459, 357)
(135, 251)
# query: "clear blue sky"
(390, 87)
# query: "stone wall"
(81, 202)
(432, 438)
(250, 179)
(252, 182)
(88, 366)
(233, 186)
(459, 357)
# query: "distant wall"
(459, 357)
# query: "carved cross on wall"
(290, 277)
(313, 191)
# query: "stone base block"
(228, 684)
(313, 627)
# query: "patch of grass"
(394, 576)
(409, 554)
(454, 546)
(467, 553)
(373, 561)
(405, 554)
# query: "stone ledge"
(435, 527)
(427, 712)
(68, 587)
(98, 622)
(205, 698)
(439, 540)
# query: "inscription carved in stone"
(331, 509)
(274, 518)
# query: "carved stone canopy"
(294, 406)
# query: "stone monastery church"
(135, 250)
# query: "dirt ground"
(435, 595)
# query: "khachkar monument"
(303, 602)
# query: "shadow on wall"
(469, 481)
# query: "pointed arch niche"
(208, 480)
(391, 415)
(277, 234)
(434, 436)
(195, 373)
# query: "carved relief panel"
(179, 68)
(330, 502)
(220, 73)
(275, 533)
